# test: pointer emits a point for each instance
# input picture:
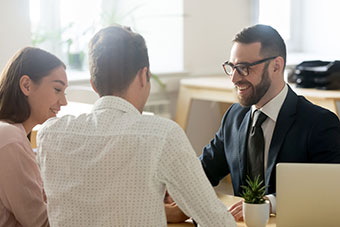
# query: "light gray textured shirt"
(111, 168)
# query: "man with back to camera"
(111, 167)
(270, 124)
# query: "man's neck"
(270, 94)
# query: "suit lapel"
(242, 145)
(284, 121)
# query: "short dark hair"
(116, 54)
(271, 41)
(33, 62)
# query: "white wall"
(209, 27)
(15, 28)
(320, 21)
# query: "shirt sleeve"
(21, 189)
(272, 199)
(181, 171)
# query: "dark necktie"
(255, 147)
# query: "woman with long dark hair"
(32, 89)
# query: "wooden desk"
(228, 200)
(221, 89)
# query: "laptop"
(307, 195)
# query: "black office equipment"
(318, 74)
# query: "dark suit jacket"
(303, 133)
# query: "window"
(280, 15)
(276, 14)
(308, 27)
(65, 27)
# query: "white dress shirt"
(111, 168)
(271, 109)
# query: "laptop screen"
(307, 194)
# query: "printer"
(317, 74)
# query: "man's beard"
(258, 91)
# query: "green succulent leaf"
(254, 191)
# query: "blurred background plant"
(72, 39)
(68, 39)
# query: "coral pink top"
(22, 200)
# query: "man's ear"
(26, 84)
(93, 87)
(143, 76)
(278, 64)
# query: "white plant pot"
(256, 215)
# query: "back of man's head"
(116, 54)
(271, 41)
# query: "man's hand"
(237, 211)
(270, 204)
(173, 213)
(167, 198)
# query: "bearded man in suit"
(293, 129)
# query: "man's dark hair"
(33, 62)
(116, 54)
(271, 41)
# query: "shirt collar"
(21, 127)
(114, 102)
(272, 108)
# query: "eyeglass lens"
(241, 69)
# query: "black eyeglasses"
(242, 68)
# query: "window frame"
(294, 43)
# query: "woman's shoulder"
(10, 133)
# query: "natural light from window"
(65, 27)
(307, 27)
(276, 13)
(79, 19)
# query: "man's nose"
(235, 76)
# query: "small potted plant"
(255, 206)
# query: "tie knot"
(259, 118)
